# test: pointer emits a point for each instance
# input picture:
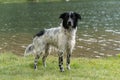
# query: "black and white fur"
(62, 38)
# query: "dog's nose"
(69, 23)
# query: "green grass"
(14, 67)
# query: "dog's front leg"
(61, 61)
(69, 52)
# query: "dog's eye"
(67, 16)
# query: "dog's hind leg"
(45, 55)
(37, 56)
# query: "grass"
(14, 67)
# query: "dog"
(62, 38)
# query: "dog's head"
(70, 19)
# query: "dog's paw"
(35, 67)
(62, 70)
(68, 67)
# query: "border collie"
(62, 38)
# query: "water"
(98, 32)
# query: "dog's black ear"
(78, 16)
(63, 15)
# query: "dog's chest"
(65, 41)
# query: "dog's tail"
(29, 50)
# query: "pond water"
(98, 32)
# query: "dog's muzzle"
(69, 23)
